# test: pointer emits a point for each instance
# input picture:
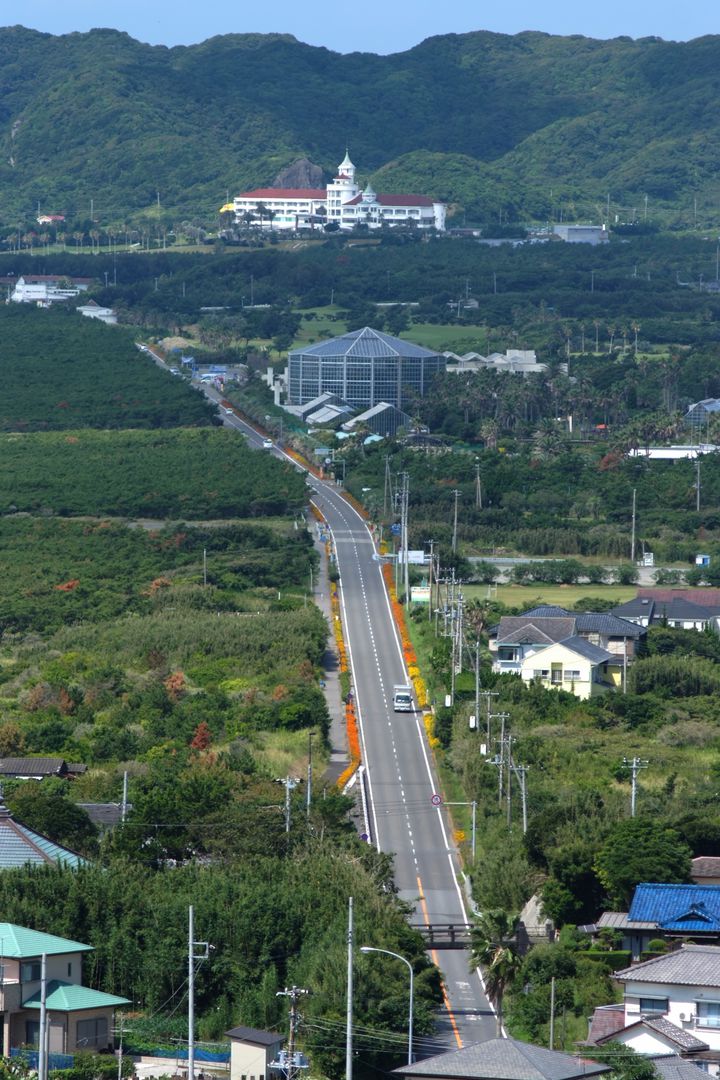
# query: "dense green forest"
(176, 474)
(62, 371)
(548, 125)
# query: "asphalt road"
(398, 767)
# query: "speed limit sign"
(436, 800)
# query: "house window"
(541, 673)
(571, 675)
(32, 1032)
(69, 971)
(653, 1006)
(30, 971)
(708, 1014)
(556, 676)
(93, 1032)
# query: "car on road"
(267, 444)
(228, 412)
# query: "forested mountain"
(498, 125)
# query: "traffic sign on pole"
(436, 800)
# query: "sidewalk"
(339, 759)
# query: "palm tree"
(493, 947)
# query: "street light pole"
(387, 952)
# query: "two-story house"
(78, 1018)
(671, 1004)
(585, 653)
(681, 609)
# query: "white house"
(672, 1004)
(342, 201)
(46, 289)
(93, 310)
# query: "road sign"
(436, 800)
(395, 529)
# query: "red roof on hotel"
(395, 200)
(284, 193)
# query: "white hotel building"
(342, 201)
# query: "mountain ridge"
(495, 124)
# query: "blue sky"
(368, 25)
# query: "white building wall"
(682, 1007)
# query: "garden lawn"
(529, 596)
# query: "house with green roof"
(79, 1018)
(22, 846)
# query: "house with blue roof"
(79, 1018)
(671, 912)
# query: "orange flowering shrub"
(353, 733)
(67, 586)
(408, 649)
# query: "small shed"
(252, 1052)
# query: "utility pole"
(456, 494)
(552, 1012)
(635, 766)
(478, 487)
(632, 534)
(406, 504)
(124, 803)
(508, 792)
(348, 1032)
(205, 567)
(521, 773)
(487, 694)
(289, 783)
(308, 793)
(192, 957)
(430, 580)
(697, 484)
(291, 1061)
(477, 681)
(387, 496)
(42, 1042)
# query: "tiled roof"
(684, 1039)
(504, 1059)
(677, 907)
(32, 766)
(20, 943)
(255, 1035)
(691, 965)
(364, 343)
(618, 920)
(514, 629)
(20, 845)
(547, 611)
(704, 597)
(605, 1021)
(706, 866)
(677, 1068)
(593, 653)
(638, 608)
(604, 622)
(69, 997)
(284, 193)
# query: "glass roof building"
(363, 368)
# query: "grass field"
(528, 596)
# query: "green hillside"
(500, 126)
